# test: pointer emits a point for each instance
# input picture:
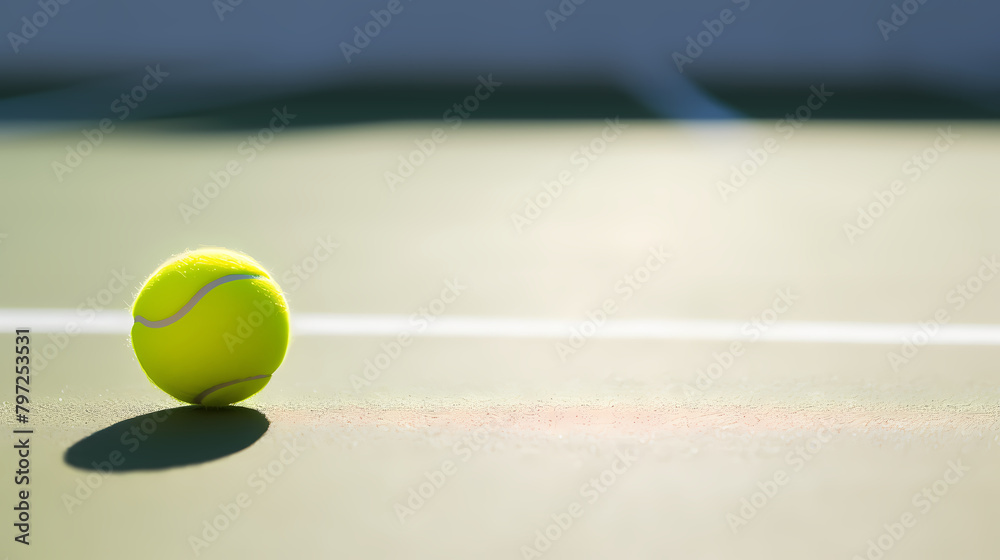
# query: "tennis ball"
(211, 326)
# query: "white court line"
(328, 324)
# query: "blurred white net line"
(42, 321)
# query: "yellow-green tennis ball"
(211, 326)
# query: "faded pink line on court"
(632, 419)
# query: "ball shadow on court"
(169, 438)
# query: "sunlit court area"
(568, 279)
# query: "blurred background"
(360, 62)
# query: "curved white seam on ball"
(194, 300)
(201, 396)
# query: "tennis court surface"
(558, 339)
